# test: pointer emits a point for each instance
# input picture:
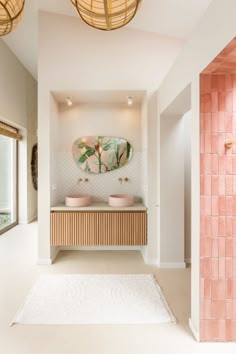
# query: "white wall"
(209, 38)
(187, 184)
(18, 107)
(118, 120)
(82, 58)
(172, 145)
(5, 188)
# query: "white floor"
(18, 271)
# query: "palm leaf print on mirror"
(101, 154)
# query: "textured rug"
(95, 299)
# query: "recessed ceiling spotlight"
(69, 101)
(130, 100)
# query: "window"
(8, 176)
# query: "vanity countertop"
(99, 207)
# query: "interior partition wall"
(218, 207)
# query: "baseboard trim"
(101, 248)
(44, 261)
(194, 330)
(170, 265)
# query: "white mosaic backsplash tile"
(99, 186)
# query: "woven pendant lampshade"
(106, 15)
(10, 15)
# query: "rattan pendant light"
(106, 15)
(10, 15)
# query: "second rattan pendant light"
(10, 15)
(106, 15)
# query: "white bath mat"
(95, 299)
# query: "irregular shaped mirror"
(101, 154)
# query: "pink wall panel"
(218, 207)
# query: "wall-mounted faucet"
(121, 180)
(81, 180)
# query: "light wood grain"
(98, 228)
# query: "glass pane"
(8, 214)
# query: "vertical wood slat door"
(98, 228)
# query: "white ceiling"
(97, 97)
(176, 18)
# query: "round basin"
(78, 200)
(121, 200)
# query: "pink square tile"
(214, 101)
(214, 267)
(222, 289)
(221, 309)
(207, 246)
(234, 82)
(221, 164)
(202, 103)
(234, 205)
(214, 247)
(234, 288)
(221, 246)
(207, 330)
(234, 185)
(221, 225)
(228, 330)
(214, 164)
(202, 122)
(207, 98)
(215, 289)
(214, 122)
(229, 164)
(234, 122)
(229, 102)
(221, 83)
(207, 309)
(229, 267)
(214, 143)
(202, 185)
(234, 246)
(234, 101)
(222, 185)
(207, 226)
(214, 226)
(222, 330)
(234, 270)
(214, 206)
(228, 309)
(222, 267)
(207, 83)
(214, 309)
(202, 287)
(202, 331)
(202, 164)
(207, 185)
(221, 100)
(234, 310)
(228, 226)
(207, 205)
(234, 226)
(202, 84)
(229, 288)
(229, 246)
(207, 268)
(202, 309)
(228, 185)
(214, 82)
(222, 205)
(234, 330)
(215, 330)
(221, 122)
(222, 139)
(207, 122)
(202, 143)
(215, 185)
(207, 288)
(228, 83)
(207, 164)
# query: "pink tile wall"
(218, 208)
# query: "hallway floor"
(19, 271)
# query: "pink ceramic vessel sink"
(121, 200)
(78, 200)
